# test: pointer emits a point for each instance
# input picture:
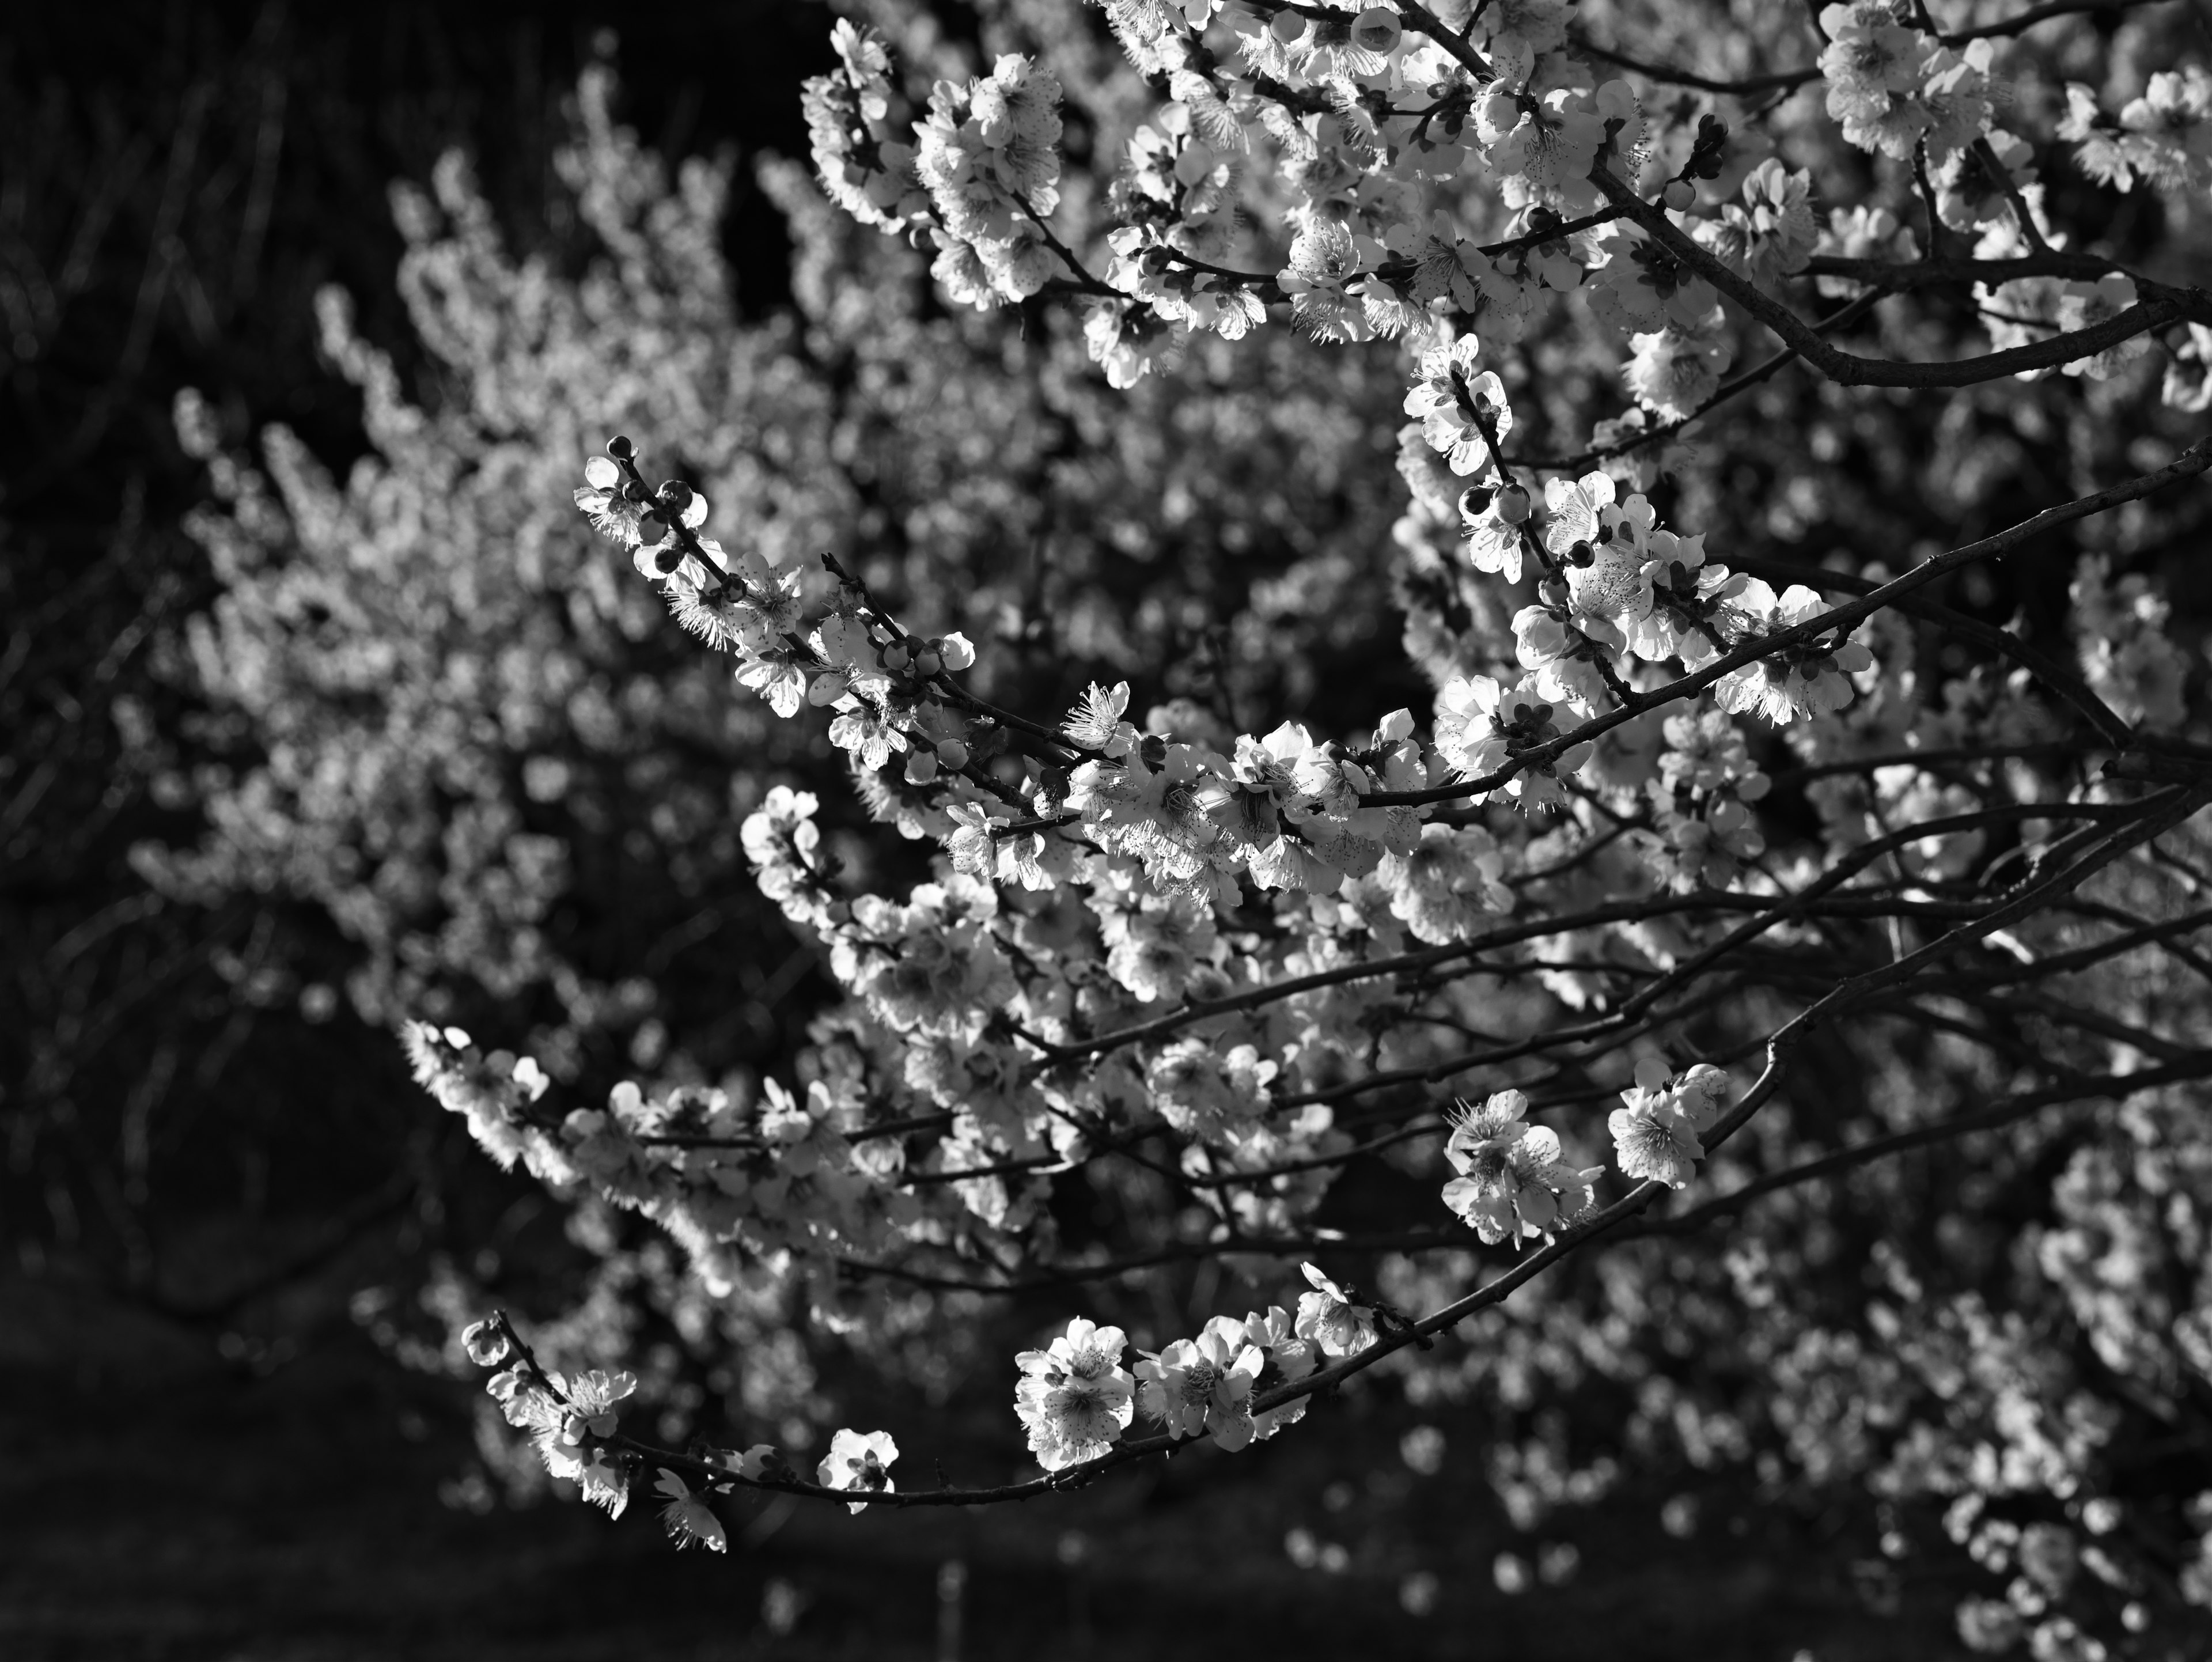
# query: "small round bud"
(1679, 194)
(953, 754)
(1287, 27)
(620, 448)
(838, 911)
(897, 656)
(928, 661)
(665, 560)
(675, 494)
(1513, 504)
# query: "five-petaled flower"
(861, 1464)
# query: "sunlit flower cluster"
(1238, 953)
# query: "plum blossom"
(1804, 680)
(1330, 1319)
(1481, 725)
(1689, 594)
(568, 1417)
(1454, 402)
(1075, 1398)
(1771, 232)
(1703, 831)
(861, 1463)
(2085, 305)
(687, 1518)
(1643, 286)
(1551, 141)
(1512, 1183)
(2164, 137)
(1325, 265)
(1657, 1136)
(1675, 371)
(1195, 1386)
(1289, 1358)
(600, 497)
(1444, 887)
(1873, 64)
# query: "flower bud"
(1679, 194)
(676, 496)
(1287, 27)
(1513, 504)
(620, 448)
(1376, 29)
(953, 754)
(928, 661)
(897, 656)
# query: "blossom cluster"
(1241, 958)
(1512, 1182)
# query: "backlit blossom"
(860, 1463)
(1328, 1316)
(687, 1518)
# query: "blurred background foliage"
(318, 704)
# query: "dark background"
(203, 1452)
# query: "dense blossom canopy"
(1769, 428)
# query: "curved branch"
(2068, 684)
(1849, 369)
(2115, 1087)
(1779, 81)
(2191, 462)
(1734, 387)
